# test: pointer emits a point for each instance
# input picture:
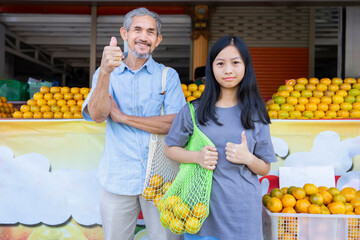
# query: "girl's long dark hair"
(248, 94)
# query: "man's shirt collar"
(148, 65)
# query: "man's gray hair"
(142, 12)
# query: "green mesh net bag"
(185, 205)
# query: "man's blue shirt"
(123, 164)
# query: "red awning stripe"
(45, 9)
(83, 9)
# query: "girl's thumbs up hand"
(238, 153)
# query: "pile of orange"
(192, 91)
(6, 109)
(316, 99)
(55, 102)
(313, 200)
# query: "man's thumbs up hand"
(112, 56)
(113, 42)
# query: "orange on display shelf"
(192, 91)
(312, 98)
(6, 108)
(54, 102)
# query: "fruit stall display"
(65, 102)
(54, 102)
(295, 213)
(192, 91)
(312, 98)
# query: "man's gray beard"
(138, 55)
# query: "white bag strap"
(163, 84)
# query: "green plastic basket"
(14, 90)
(34, 87)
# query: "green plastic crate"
(14, 90)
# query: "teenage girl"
(232, 114)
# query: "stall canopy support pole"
(312, 42)
(200, 36)
(2, 51)
(340, 54)
(200, 53)
(63, 79)
(93, 43)
(352, 43)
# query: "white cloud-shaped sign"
(328, 150)
(31, 194)
(281, 147)
(350, 179)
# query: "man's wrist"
(104, 73)
(125, 118)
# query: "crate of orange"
(311, 212)
(303, 226)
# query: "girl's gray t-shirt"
(235, 201)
